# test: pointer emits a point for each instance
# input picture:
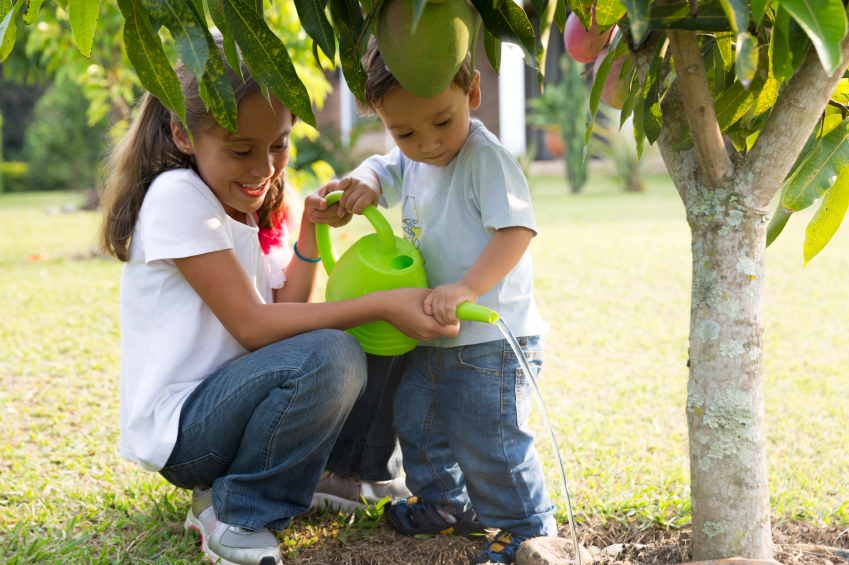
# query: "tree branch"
(683, 166)
(698, 107)
(791, 122)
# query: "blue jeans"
(260, 429)
(367, 447)
(462, 416)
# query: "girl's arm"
(500, 255)
(221, 282)
(302, 276)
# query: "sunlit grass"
(612, 274)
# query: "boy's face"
(430, 130)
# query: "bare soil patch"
(796, 543)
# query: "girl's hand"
(317, 211)
(443, 301)
(403, 309)
(361, 188)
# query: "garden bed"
(796, 543)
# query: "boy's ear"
(180, 137)
(475, 92)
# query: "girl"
(231, 383)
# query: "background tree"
(768, 75)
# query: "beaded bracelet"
(302, 258)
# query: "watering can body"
(380, 261)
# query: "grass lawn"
(613, 278)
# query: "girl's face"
(240, 168)
(430, 130)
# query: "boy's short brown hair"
(381, 82)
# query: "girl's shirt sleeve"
(500, 189)
(390, 171)
(180, 218)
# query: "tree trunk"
(725, 398)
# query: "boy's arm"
(500, 256)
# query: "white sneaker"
(345, 494)
(229, 545)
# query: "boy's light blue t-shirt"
(449, 214)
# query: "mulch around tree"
(796, 543)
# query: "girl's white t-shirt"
(170, 339)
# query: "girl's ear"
(475, 92)
(180, 137)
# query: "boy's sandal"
(415, 516)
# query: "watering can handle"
(380, 224)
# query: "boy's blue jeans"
(462, 416)
(260, 429)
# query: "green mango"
(424, 61)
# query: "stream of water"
(517, 349)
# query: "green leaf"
(474, 47)
(418, 10)
(83, 16)
(758, 10)
(584, 15)
(677, 16)
(217, 92)
(788, 45)
(349, 58)
(817, 173)
(188, 31)
(639, 132)
(31, 13)
(348, 11)
(737, 12)
(8, 28)
(492, 46)
(723, 60)
(231, 53)
(626, 69)
(638, 18)
(510, 24)
(746, 59)
(144, 49)
(630, 101)
(268, 59)
(539, 6)
(825, 23)
(776, 226)
(652, 119)
(617, 50)
(824, 225)
(729, 108)
(314, 20)
(608, 13)
(560, 15)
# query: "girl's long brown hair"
(148, 149)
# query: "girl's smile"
(254, 190)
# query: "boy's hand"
(317, 211)
(443, 301)
(361, 188)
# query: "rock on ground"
(550, 551)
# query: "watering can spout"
(476, 313)
(380, 224)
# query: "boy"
(462, 406)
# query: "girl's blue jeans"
(462, 416)
(261, 429)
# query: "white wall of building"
(511, 101)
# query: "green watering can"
(380, 261)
